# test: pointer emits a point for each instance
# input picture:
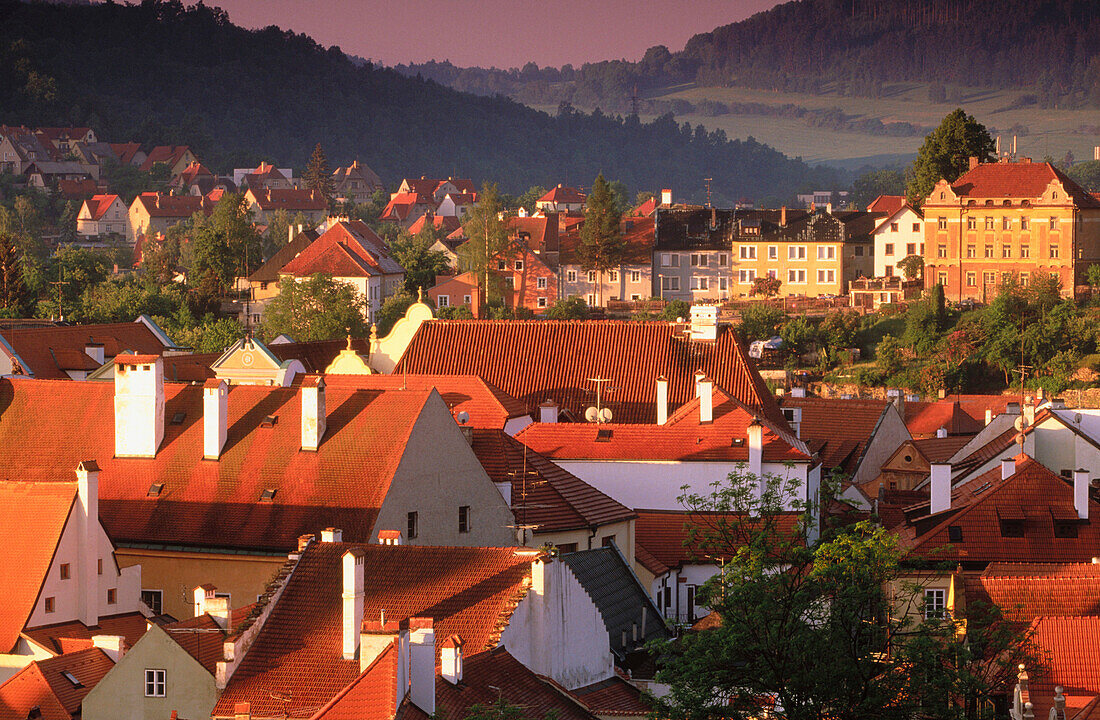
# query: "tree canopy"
(946, 153)
(316, 308)
(602, 244)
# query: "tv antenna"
(708, 181)
(524, 476)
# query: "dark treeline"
(160, 72)
(855, 46)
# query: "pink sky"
(503, 33)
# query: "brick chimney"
(973, 162)
(332, 535)
(783, 216)
(87, 512)
(1081, 493)
(313, 411)
(139, 405)
(422, 664)
(940, 484)
(352, 595)
(666, 196)
(662, 400)
(215, 418)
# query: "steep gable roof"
(42, 685)
(99, 204)
(401, 205)
(888, 204)
(126, 151)
(202, 637)
(345, 249)
(371, 696)
(173, 206)
(356, 170)
(63, 637)
(48, 352)
(47, 427)
(470, 592)
(37, 513)
(1025, 591)
(447, 223)
(563, 194)
(167, 154)
(269, 271)
(844, 442)
(289, 199)
(535, 360)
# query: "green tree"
(766, 286)
(316, 308)
(528, 199)
(870, 185)
(760, 321)
(318, 176)
(421, 263)
(1086, 174)
(66, 223)
(573, 308)
(1093, 276)
(123, 299)
(14, 296)
(212, 335)
(946, 153)
(277, 234)
(455, 312)
(392, 310)
(799, 335)
(488, 238)
(602, 244)
(912, 266)
(675, 310)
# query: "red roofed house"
(1004, 219)
(445, 224)
(1070, 685)
(63, 138)
(152, 213)
(632, 280)
(263, 202)
(356, 182)
(176, 157)
(405, 208)
(62, 584)
(129, 153)
(218, 470)
(456, 204)
(381, 631)
(77, 189)
(196, 179)
(899, 234)
(451, 290)
(102, 215)
(562, 199)
(436, 188)
(264, 177)
(55, 688)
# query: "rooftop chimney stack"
(1008, 468)
(755, 432)
(422, 664)
(662, 400)
(352, 595)
(313, 411)
(215, 418)
(203, 595)
(666, 196)
(706, 400)
(941, 432)
(783, 216)
(1081, 493)
(113, 646)
(940, 487)
(548, 412)
(87, 491)
(973, 162)
(332, 535)
(139, 405)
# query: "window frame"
(463, 519)
(156, 680)
(935, 604)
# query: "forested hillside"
(855, 46)
(160, 72)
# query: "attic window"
(954, 533)
(737, 442)
(1063, 529)
(154, 490)
(603, 435)
(268, 495)
(177, 419)
(269, 421)
(71, 678)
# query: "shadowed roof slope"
(470, 592)
(1025, 591)
(533, 360)
(42, 685)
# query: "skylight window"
(268, 495)
(71, 678)
(603, 435)
(177, 419)
(269, 421)
(155, 490)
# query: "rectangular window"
(972, 251)
(464, 518)
(746, 276)
(989, 251)
(971, 223)
(64, 571)
(444, 301)
(413, 525)
(518, 265)
(591, 301)
(510, 281)
(670, 283)
(796, 276)
(773, 252)
(1054, 223)
(700, 282)
(941, 223)
(612, 276)
(935, 604)
(796, 252)
(859, 251)
(541, 283)
(571, 275)
(1025, 279)
(972, 279)
(501, 265)
(826, 276)
(1023, 223)
(1006, 224)
(910, 248)
(154, 683)
(989, 223)
(112, 596)
(565, 548)
(700, 259)
(1053, 252)
(541, 302)
(989, 278)
(608, 541)
(466, 299)
(826, 252)
(893, 227)
(941, 278)
(99, 566)
(49, 604)
(723, 283)
(591, 276)
(666, 260)
(772, 273)
(941, 251)
(1025, 251)
(635, 276)
(747, 252)
(1006, 251)
(916, 227)
(889, 271)
(889, 248)
(154, 600)
(723, 259)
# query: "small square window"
(464, 518)
(541, 283)
(49, 605)
(154, 600)
(501, 265)
(112, 596)
(916, 227)
(518, 265)
(541, 302)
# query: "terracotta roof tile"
(173, 206)
(663, 533)
(346, 249)
(169, 154)
(370, 696)
(1025, 591)
(614, 696)
(1073, 644)
(60, 636)
(470, 592)
(290, 200)
(1018, 180)
(42, 685)
(638, 234)
(99, 204)
(539, 359)
(202, 637)
(563, 194)
(47, 352)
(844, 441)
(888, 204)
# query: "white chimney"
(139, 405)
(218, 609)
(941, 432)
(352, 596)
(755, 432)
(114, 646)
(94, 350)
(87, 491)
(332, 535)
(450, 656)
(706, 400)
(290, 233)
(798, 392)
(202, 596)
(941, 487)
(215, 418)
(662, 400)
(548, 412)
(422, 664)
(988, 416)
(666, 196)
(1008, 468)
(313, 411)
(1081, 492)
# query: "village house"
(405, 208)
(93, 153)
(102, 215)
(46, 174)
(436, 188)
(129, 153)
(691, 253)
(900, 234)
(356, 182)
(176, 157)
(56, 687)
(20, 148)
(632, 280)
(456, 204)
(1009, 221)
(462, 289)
(154, 213)
(561, 199)
(265, 201)
(63, 138)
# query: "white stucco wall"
(558, 631)
(900, 238)
(693, 576)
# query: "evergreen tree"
(946, 153)
(488, 238)
(602, 243)
(13, 290)
(318, 176)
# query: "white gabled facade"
(896, 238)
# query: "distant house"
(356, 182)
(45, 174)
(456, 204)
(63, 138)
(79, 190)
(898, 234)
(264, 282)
(19, 150)
(102, 215)
(129, 153)
(405, 208)
(443, 224)
(264, 177)
(195, 174)
(153, 213)
(436, 188)
(94, 153)
(562, 199)
(176, 157)
(456, 290)
(265, 201)
(631, 280)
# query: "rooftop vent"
(269, 421)
(177, 419)
(155, 490)
(737, 442)
(268, 495)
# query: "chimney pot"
(139, 405)
(304, 541)
(706, 400)
(314, 420)
(332, 535)
(755, 432)
(666, 196)
(352, 596)
(941, 432)
(215, 418)
(783, 216)
(548, 412)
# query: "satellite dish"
(463, 417)
(1020, 423)
(592, 415)
(605, 415)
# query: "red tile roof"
(1018, 180)
(60, 637)
(553, 499)
(938, 450)
(665, 534)
(470, 592)
(538, 359)
(47, 427)
(48, 352)
(646, 209)
(33, 515)
(845, 441)
(563, 194)
(173, 206)
(888, 204)
(168, 154)
(126, 151)
(448, 223)
(683, 438)
(42, 685)
(289, 200)
(1033, 493)
(202, 637)
(638, 235)
(1025, 591)
(401, 205)
(346, 249)
(193, 171)
(614, 696)
(76, 189)
(1072, 645)
(99, 204)
(371, 696)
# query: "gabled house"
(898, 235)
(264, 282)
(64, 586)
(436, 188)
(63, 138)
(349, 251)
(405, 208)
(195, 179)
(102, 215)
(631, 281)
(55, 688)
(356, 182)
(445, 224)
(46, 174)
(456, 204)
(19, 150)
(176, 157)
(562, 199)
(129, 153)
(264, 177)
(152, 213)
(461, 289)
(93, 153)
(265, 201)
(249, 362)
